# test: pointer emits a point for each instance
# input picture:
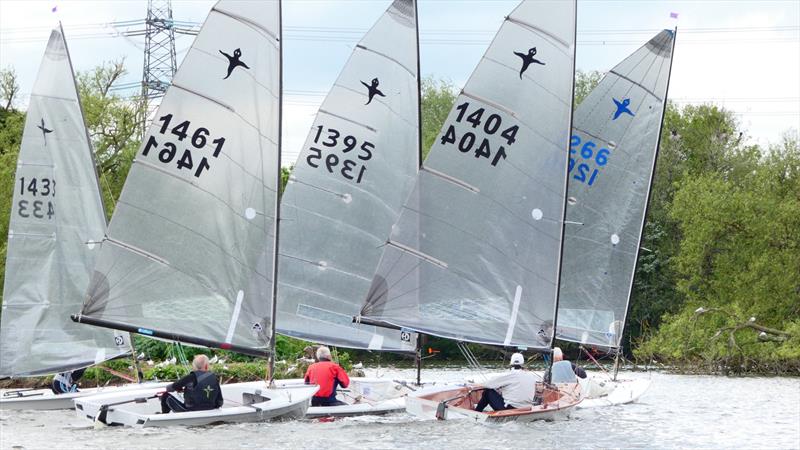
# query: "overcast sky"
(744, 55)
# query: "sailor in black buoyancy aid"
(201, 390)
(66, 382)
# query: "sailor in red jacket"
(328, 375)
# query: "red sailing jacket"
(326, 374)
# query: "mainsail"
(612, 158)
(57, 219)
(189, 251)
(356, 169)
(475, 254)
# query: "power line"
(431, 36)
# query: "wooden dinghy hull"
(244, 402)
(427, 404)
(618, 392)
(364, 397)
(45, 399)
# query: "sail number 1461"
(167, 151)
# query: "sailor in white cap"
(514, 389)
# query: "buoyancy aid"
(204, 393)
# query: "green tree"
(9, 88)
(438, 97)
(11, 125)
(695, 140)
(739, 263)
(114, 125)
(585, 82)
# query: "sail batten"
(475, 253)
(346, 189)
(614, 146)
(52, 239)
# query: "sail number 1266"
(592, 160)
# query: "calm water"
(677, 411)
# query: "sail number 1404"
(484, 124)
(167, 151)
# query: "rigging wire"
(471, 359)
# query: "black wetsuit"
(201, 391)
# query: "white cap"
(517, 359)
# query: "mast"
(647, 198)
(419, 90)
(274, 305)
(418, 355)
(566, 195)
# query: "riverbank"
(227, 372)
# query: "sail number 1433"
(40, 201)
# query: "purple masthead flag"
(673, 15)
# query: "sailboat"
(57, 220)
(475, 254)
(190, 253)
(356, 168)
(613, 152)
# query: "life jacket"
(203, 394)
(328, 375)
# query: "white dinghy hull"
(426, 402)
(244, 402)
(618, 392)
(45, 399)
(364, 396)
